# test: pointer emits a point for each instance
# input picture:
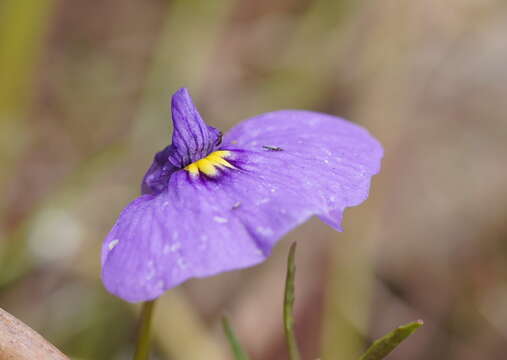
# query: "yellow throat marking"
(210, 164)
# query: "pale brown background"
(84, 104)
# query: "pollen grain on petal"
(210, 164)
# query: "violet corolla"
(211, 204)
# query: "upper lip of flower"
(210, 206)
(193, 140)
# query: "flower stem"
(143, 339)
(288, 305)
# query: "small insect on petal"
(272, 148)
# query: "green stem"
(143, 339)
(237, 350)
(288, 306)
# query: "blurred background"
(85, 87)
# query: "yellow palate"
(210, 164)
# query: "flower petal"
(156, 178)
(326, 158)
(160, 241)
(192, 138)
(287, 166)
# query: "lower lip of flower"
(210, 164)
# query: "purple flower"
(211, 205)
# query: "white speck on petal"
(160, 284)
(151, 270)
(326, 161)
(112, 244)
(168, 248)
(181, 264)
(262, 201)
(264, 230)
(203, 244)
(219, 219)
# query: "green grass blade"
(383, 346)
(237, 350)
(288, 305)
(23, 27)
